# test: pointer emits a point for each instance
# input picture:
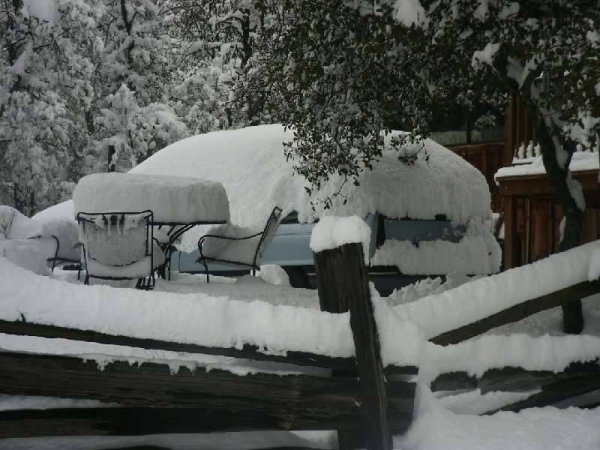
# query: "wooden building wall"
(532, 216)
(518, 129)
(488, 157)
(529, 210)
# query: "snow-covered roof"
(251, 165)
(170, 198)
(581, 161)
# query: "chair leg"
(206, 270)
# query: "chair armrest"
(230, 238)
(227, 238)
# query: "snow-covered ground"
(265, 311)
(532, 429)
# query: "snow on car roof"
(251, 165)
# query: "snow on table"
(173, 199)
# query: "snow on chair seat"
(119, 245)
(236, 245)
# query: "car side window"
(418, 230)
(291, 218)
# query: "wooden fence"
(578, 385)
(364, 401)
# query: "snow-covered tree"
(132, 117)
(351, 70)
(547, 51)
(331, 74)
(43, 88)
(223, 39)
(129, 133)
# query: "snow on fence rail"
(178, 318)
(558, 371)
(566, 273)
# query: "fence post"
(343, 286)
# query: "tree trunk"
(246, 43)
(560, 177)
(111, 154)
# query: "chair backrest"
(116, 238)
(268, 233)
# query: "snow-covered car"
(428, 217)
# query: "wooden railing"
(518, 312)
(578, 385)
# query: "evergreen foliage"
(100, 85)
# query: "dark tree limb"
(551, 142)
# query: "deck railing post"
(343, 286)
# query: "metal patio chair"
(120, 246)
(238, 246)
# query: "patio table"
(179, 203)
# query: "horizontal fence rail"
(258, 400)
(248, 351)
(570, 387)
(518, 312)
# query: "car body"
(290, 249)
